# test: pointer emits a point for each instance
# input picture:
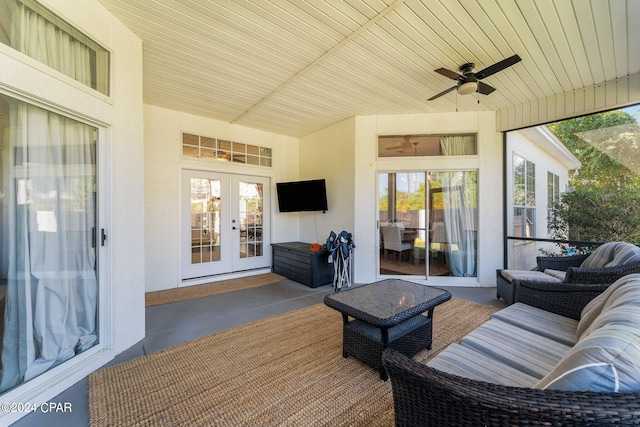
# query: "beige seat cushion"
(558, 274)
(510, 275)
(550, 325)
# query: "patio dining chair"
(392, 241)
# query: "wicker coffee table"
(386, 314)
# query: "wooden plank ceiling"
(296, 66)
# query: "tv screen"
(302, 196)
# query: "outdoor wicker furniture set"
(557, 357)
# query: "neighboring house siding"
(523, 254)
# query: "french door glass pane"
(251, 208)
(205, 220)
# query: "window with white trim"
(524, 197)
(553, 196)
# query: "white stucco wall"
(489, 166)
(122, 269)
(163, 166)
(345, 155)
(330, 154)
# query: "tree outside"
(605, 202)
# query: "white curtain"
(458, 145)
(460, 221)
(45, 42)
(51, 301)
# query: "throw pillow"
(590, 377)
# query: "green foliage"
(607, 144)
(598, 215)
(405, 202)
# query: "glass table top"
(387, 299)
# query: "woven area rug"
(208, 289)
(285, 370)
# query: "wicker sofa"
(476, 386)
(605, 265)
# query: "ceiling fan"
(406, 145)
(469, 82)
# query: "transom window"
(203, 147)
(33, 30)
(427, 145)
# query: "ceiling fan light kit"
(467, 88)
(469, 82)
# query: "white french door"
(225, 223)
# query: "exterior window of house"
(427, 145)
(524, 197)
(553, 196)
(203, 147)
(38, 33)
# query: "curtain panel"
(458, 145)
(459, 202)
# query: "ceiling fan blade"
(498, 66)
(448, 73)
(444, 92)
(485, 89)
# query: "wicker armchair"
(425, 396)
(507, 290)
(577, 274)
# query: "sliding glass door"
(49, 243)
(428, 223)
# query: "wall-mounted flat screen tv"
(300, 196)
